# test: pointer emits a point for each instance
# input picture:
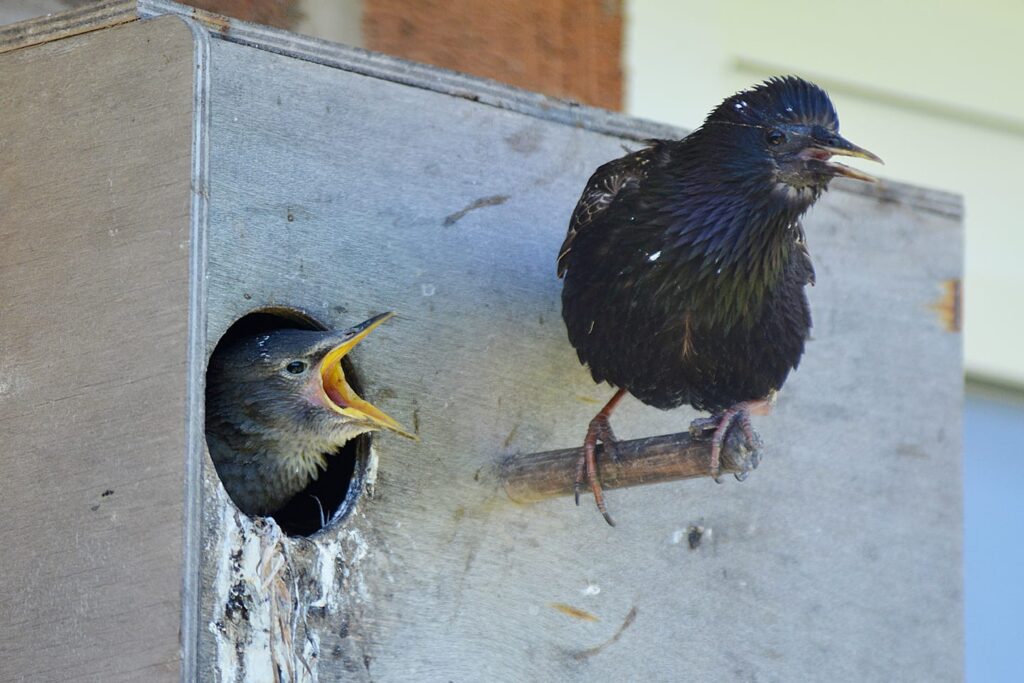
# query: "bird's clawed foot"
(600, 429)
(752, 453)
(718, 427)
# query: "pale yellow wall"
(935, 90)
(340, 21)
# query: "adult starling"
(277, 405)
(685, 263)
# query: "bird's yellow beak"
(844, 148)
(341, 398)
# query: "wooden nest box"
(164, 177)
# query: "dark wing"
(607, 183)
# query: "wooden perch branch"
(535, 476)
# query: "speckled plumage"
(685, 262)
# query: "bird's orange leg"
(600, 429)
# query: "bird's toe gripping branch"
(751, 448)
(719, 426)
(600, 429)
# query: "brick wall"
(566, 48)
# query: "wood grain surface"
(94, 249)
(345, 194)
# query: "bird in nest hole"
(278, 405)
(685, 263)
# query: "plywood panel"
(94, 249)
(839, 559)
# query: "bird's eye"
(775, 137)
(296, 367)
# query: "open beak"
(841, 147)
(339, 396)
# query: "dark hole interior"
(332, 495)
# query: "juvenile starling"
(278, 405)
(685, 262)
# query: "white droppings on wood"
(371, 470)
(358, 549)
(326, 553)
(241, 620)
(11, 380)
(270, 595)
(311, 652)
(591, 589)
(259, 616)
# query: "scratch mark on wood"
(574, 612)
(511, 435)
(493, 200)
(470, 558)
(590, 652)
